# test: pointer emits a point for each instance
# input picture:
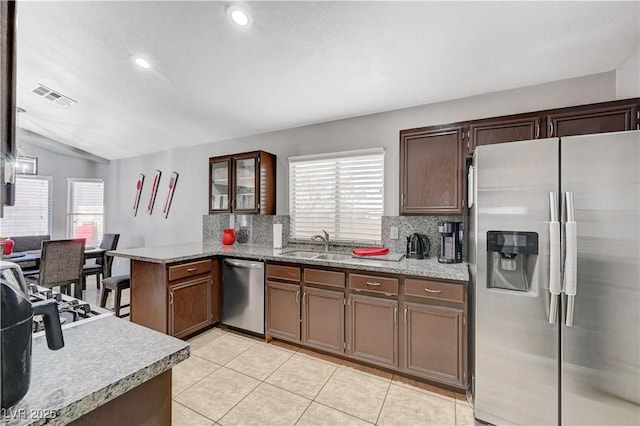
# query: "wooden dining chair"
(109, 242)
(61, 265)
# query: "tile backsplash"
(259, 230)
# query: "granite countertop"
(100, 361)
(427, 268)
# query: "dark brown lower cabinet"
(434, 342)
(189, 306)
(373, 330)
(323, 319)
(283, 311)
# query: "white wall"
(379, 130)
(628, 75)
(60, 167)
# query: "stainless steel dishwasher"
(243, 295)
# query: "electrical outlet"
(394, 232)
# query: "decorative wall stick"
(154, 191)
(139, 184)
(172, 187)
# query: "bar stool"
(117, 284)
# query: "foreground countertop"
(427, 268)
(100, 361)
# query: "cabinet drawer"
(434, 290)
(288, 273)
(319, 276)
(190, 269)
(373, 284)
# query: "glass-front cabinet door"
(220, 184)
(245, 184)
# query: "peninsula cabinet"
(431, 170)
(177, 299)
(243, 183)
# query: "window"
(341, 193)
(31, 214)
(86, 210)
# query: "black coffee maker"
(451, 242)
(16, 327)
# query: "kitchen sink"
(333, 256)
(301, 254)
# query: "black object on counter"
(451, 243)
(418, 246)
(16, 328)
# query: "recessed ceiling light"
(239, 16)
(142, 63)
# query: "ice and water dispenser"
(512, 258)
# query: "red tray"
(371, 251)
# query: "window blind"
(31, 214)
(85, 209)
(341, 193)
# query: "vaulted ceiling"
(299, 63)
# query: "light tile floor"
(235, 379)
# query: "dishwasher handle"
(239, 264)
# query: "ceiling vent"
(53, 96)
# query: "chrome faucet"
(324, 239)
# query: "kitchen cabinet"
(177, 298)
(373, 319)
(307, 310)
(283, 302)
(323, 309)
(506, 129)
(599, 118)
(431, 170)
(434, 327)
(189, 306)
(243, 183)
(7, 99)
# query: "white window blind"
(341, 193)
(86, 210)
(31, 214)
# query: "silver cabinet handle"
(571, 259)
(537, 130)
(373, 284)
(404, 200)
(405, 315)
(298, 297)
(304, 296)
(171, 298)
(550, 128)
(555, 287)
(395, 314)
(428, 290)
(191, 270)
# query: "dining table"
(33, 256)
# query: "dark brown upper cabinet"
(486, 132)
(243, 183)
(431, 170)
(598, 118)
(7, 99)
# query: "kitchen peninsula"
(324, 302)
(110, 371)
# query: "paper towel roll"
(277, 235)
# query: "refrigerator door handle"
(555, 287)
(571, 259)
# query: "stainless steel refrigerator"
(555, 274)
